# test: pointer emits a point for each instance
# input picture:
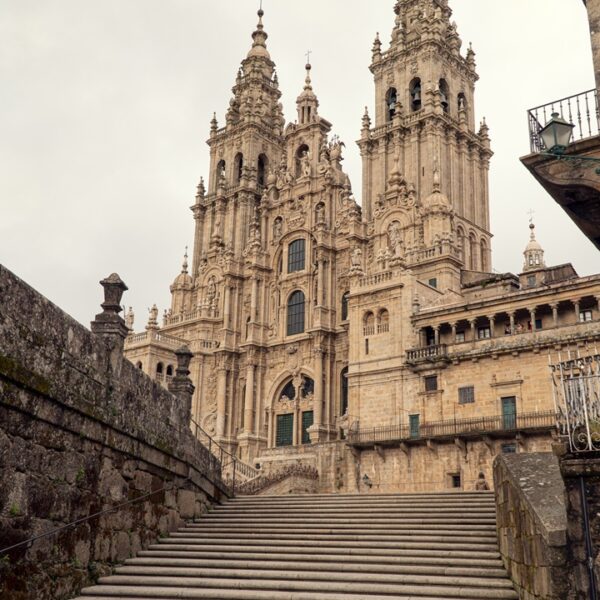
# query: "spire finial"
(184, 267)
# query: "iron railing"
(454, 428)
(576, 384)
(226, 468)
(581, 110)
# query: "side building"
(372, 342)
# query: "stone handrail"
(376, 279)
(427, 353)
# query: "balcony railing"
(475, 427)
(428, 353)
(581, 110)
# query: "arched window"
(239, 167)
(444, 95)
(300, 154)
(289, 391)
(139, 364)
(391, 103)
(369, 323)
(345, 306)
(170, 371)
(344, 391)
(220, 170)
(383, 321)
(263, 163)
(308, 387)
(296, 256)
(473, 252)
(460, 234)
(483, 257)
(415, 94)
(462, 102)
(295, 313)
(159, 368)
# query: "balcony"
(480, 427)
(572, 179)
(428, 356)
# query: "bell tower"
(424, 138)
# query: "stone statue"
(320, 213)
(277, 228)
(395, 237)
(356, 258)
(305, 164)
(212, 290)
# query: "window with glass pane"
(296, 256)
(345, 306)
(295, 313)
(414, 425)
(308, 419)
(466, 395)
(285, 430)
(431, 383)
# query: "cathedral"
(369, 341)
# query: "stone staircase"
(405, 547)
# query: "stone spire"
(534, 253)
(260, 37)
(307, 101)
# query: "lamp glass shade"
(556, 134)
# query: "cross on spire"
(531, 212)
(308, 53)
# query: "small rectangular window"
(585, 316)
(433, 283)
(460, 337)
(509, 448)
(431, 383)
(531, 281)
(484, 333)
(456, 480)
(466, 395)
(538, 324)
(367, 346)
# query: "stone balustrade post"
(511, 316)
(554, 308)
(182, 387)
(109, 325)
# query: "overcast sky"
(105, 109)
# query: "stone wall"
(82, 430)
(532, 524)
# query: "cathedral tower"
(424, 140)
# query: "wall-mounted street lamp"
(556, 136)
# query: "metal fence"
(581, 110)
(576, 383)
(226, 468)
(454, 428)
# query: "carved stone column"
(532, 314)
(511, 316)
(317, 431)
(492, 320)
(577, 305)
(454, 328)
(254, 299)
(436, 335)
(227, 306)
(554, 308)
(473, 322)
(249, 398)
(221, 400)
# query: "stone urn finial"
(114, 288)
(184, 358)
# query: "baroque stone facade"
(370, 341)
